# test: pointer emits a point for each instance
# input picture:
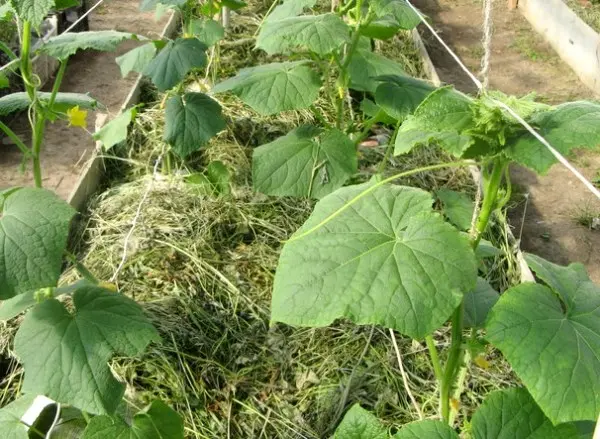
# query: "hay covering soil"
(203, 268)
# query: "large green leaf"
(550, 334)
(174, 61)
(11, 425)
(115, 131)
(20, 101)
(321, 34)
(234, 5)
(365, 66)
(427, 429)
(513, 414)
(305, 163)
(158, 421)
(400, 95)
(33, 11)
(381, 29)
(458, 207)
(208, 31)
(79, 345)
(478, 303)
(386, 259)
(442, 117)
(191, 121)
(215, 180)
(67, 44)
(273, 88)
(412, 135)
(34, 227)
(399, 10)
(289, 8)
(358, 423)
(136, 60)
(568, 126)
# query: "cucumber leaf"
(396, 271)
(34, 227)
(115, 131)
(276, 87)
(458, 207)
(442, 117)
(365, 66)
(382, 29)
(321, 34)
(307, 162)
(513, 414)
(207, 31)
(33, 11)
(401, 95)
(79, 345)
(20, 101)
(289, 8)
(191, 121)
(428, 429)
(358, 423)
(11, 425)
(136, 60)
(568, 126)
(478, 303)
(174, 61)
(67, 44)
(399, 10)
(157, 421)
(234, 5)
(550, 334)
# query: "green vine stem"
(343, 79)
(25, 59)
(454, 360)
(38, 121)
(389, 150)
(435, 359)
(489, 199)
(455, 357)
(57, 83)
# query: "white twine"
(487, 41)
(136, 219)
(512, 112)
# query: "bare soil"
(522, 62)
(67, 149)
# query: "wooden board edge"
(575, 42)
(93, 172)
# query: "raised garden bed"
(195, 229)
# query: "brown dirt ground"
(66, 149)
(521, 63)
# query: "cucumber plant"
(328, 55)
(70, 332)
(192, 118)
(377, 253)
(44, 107)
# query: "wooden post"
(512, 4)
